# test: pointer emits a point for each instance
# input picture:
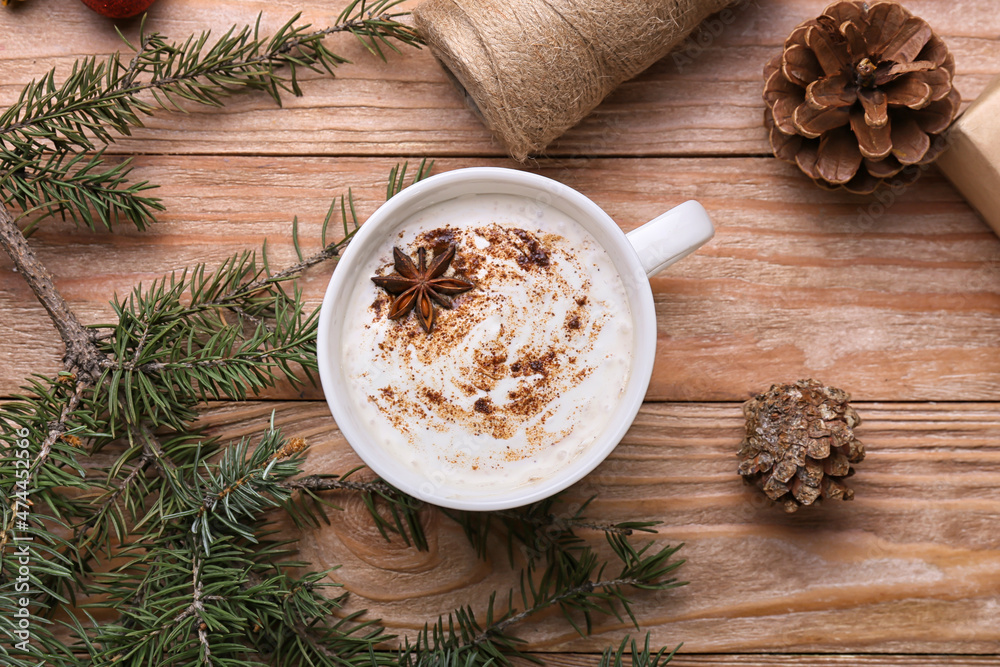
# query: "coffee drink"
(520, 376)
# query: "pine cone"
(859, 94)
(800, 443)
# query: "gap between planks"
(790, 660)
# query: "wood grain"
(704, 101)
(798, 282)
(779, 660)
(894, 299)
(911, 566)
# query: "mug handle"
(671, 236)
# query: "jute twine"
(534, 68)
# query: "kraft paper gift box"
(972, 159)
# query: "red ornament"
(118, 9)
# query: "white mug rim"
(633, 278)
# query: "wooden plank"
(798, 282)
(911, 566)
(706, 101)
(790, 660)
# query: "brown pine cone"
(800, 443)
(859, 94)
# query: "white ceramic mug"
(637, 256)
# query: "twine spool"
(534, 68)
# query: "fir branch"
(98, 96)
(39, 473)
(125, 503)
(575, 586)
(350, 226)
(110, 500)
(44, 135)
(37, 466)
(185, 608)
(197, 610)
(541, 530)
(93, 189)
(56, 430)
(198, 353)
(136, 500)
(241, 485)
(238, 595)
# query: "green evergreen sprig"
(541, 531)
(576, 586)
(192, 336)
(227, 496)
(48, 138)
(210, 585)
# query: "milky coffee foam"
(521, 376)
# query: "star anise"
(419, 286)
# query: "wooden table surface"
(896, 301)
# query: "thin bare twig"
(317, 483)
(561, 523)
(330, 251)
(133, 67)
